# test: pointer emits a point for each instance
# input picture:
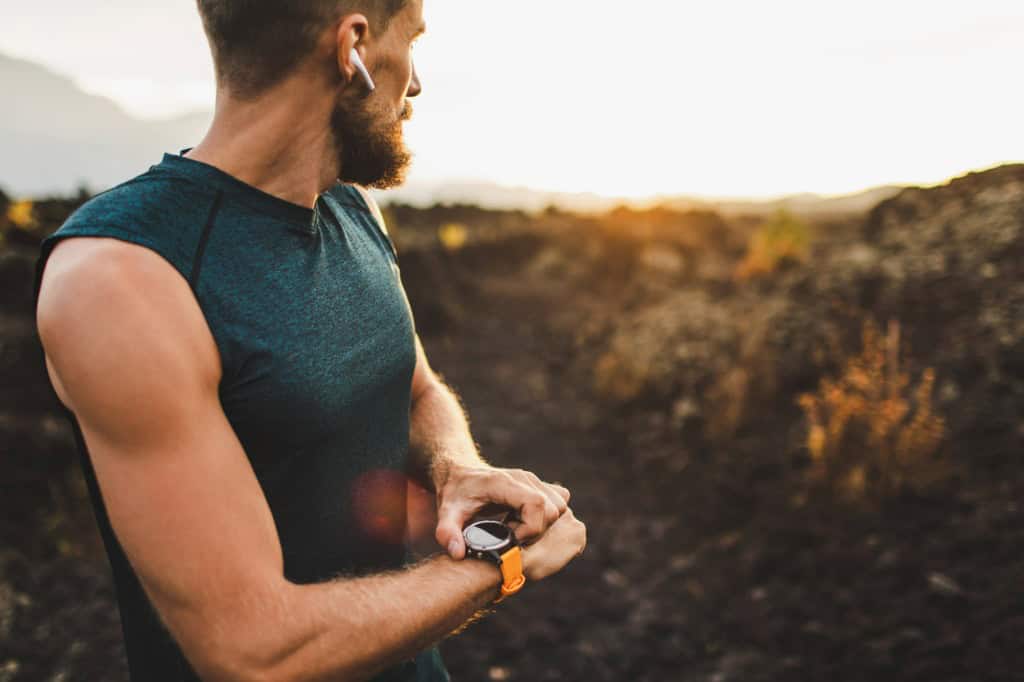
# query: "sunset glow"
(728, 99)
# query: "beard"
(370, 152)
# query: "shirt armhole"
(374, 209)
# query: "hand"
(464, 490)
(563, 542)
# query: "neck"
(280, 143)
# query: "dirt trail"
(601, 619)
(701, 566)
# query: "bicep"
(138, 367)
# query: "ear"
(353, 32)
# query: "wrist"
(530, 559)
(483, 573)
(494, 542)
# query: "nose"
(414, 85)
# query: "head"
(257, 45)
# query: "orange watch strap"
(511, 572)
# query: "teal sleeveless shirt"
(317, 345)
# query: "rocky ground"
(622, 357)
(693, 572)
(710, 563)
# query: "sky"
(730, 98)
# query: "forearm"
(439, 435)
(352, 629)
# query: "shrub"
(620, 378)
(21, 214)
(453, 236)
(782, 240)
(869, 430)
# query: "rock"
(943, 584)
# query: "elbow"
(237, 661)
(259, 650)
(251, 666)
(272, 639)
(242, 647)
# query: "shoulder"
(163, 213)
(151, 198)
(109, 309)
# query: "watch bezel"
(483, 551)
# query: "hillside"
(796, 444)
(56, 137)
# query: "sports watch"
(494, 541)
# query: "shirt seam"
(197, 260)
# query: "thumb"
(450, 519)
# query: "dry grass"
(872, 431)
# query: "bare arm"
(439, 435)
(446, 460)
(130, 354)
(445, 455)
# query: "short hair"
(255, 44)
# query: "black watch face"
(487, 535)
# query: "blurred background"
(748, 278)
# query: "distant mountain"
(54, 138)
(803, 204)
(494, 196)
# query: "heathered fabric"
(317, 345)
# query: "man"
(230, 337)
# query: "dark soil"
(708, 559)
(701, 566)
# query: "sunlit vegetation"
(21, 214)
(783, 239)
(872, 429)
(619, 377)
(770, 466)
(453, 236)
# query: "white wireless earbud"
(361, 68)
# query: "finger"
(511, 488)
(559, 495)
(582, 530)
(552, 491)
(450, 520)
(536, 512)
(554, 507)
(562, 491)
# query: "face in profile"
(368, 125)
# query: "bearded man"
(229, 336)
